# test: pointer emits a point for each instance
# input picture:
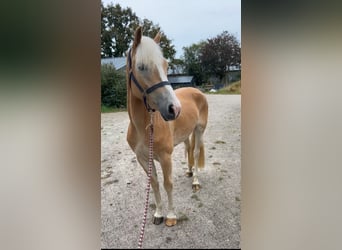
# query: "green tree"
(177, 66)
(106, 40)
(150, 29)
(120, 24)
(117, 31)
(192, 62)
(219, 53)
(113, 87)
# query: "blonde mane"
(148, 53)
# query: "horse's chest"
(135, 139)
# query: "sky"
(188, 21)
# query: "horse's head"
(148, 71)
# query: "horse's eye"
(142, 67)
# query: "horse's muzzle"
(172, 112)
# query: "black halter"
(147, 91)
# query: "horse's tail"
(197, 145)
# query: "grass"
(231, 89)
(105, 109)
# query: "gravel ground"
(209, 218)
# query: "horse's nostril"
(172, 112)
(171, 109)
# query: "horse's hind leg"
(197, 142)
(157, 217)
(166, 164)
(189, 154)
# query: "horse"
(179, 116)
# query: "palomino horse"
(177, 115)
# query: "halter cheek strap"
(141, 89)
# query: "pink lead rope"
(148, 188)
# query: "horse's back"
(194, 108)
(189, 92)
(190, 96)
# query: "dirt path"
(209, 218)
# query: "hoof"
(188, 174)
(196, 187)
(171, 222)
(157, 220)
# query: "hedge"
(113, 87)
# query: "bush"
(113, 87)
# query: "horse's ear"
(157, 37)
(137, 37)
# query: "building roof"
(180, 79)
(117, 62)
(234, 67)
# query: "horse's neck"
(137, 112)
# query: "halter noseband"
(147, 91)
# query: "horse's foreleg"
(158, 216)
(166, 164)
